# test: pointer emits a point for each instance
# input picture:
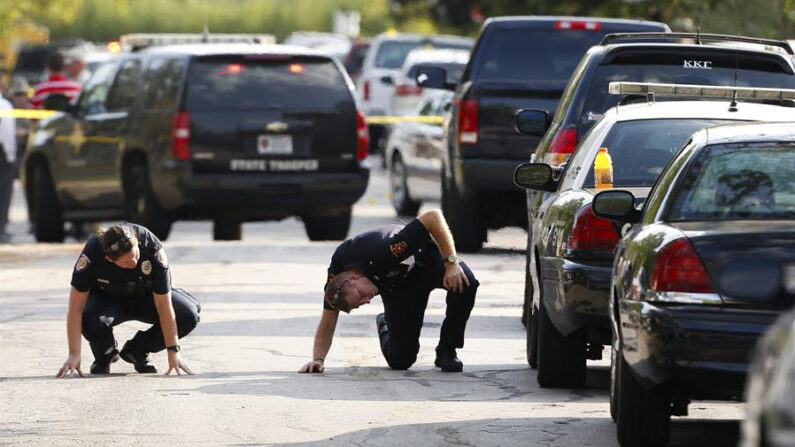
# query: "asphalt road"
(261, 302)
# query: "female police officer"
(121, 275)
(403, 265)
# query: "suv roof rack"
(138, 41)
(698, 37)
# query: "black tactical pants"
(103, 313)
(404, 309)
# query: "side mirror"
(532, 121)
(616, 205)
(387, 80)
(434, 77)
(538, 176)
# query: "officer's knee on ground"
(401, 360)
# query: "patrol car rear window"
(679, 69)
(641, 149)
(533, 54)
(392, 54)
(266, 83)
(738, 181)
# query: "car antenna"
(733, 104)
(698, 34)
(206, 33)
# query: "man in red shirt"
(56, 84)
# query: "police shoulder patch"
(82, 263)
(146, 267)
(398, 248)
(161, 258)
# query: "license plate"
(275, 144)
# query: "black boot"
(101, 365)
(139, 359)
(447, 359)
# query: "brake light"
(562, 146)
(590, 232)
(408, 90)
(180, 136)
(362, 137)
(366, 90)
(678, 268)
(577, 25)
(468, 122)
(296, 68)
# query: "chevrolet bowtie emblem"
(276, 127)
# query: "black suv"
(517, 62)
(231, 133)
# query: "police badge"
(146, 267)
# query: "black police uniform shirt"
(385, 255)
(94, 273)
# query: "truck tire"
(142, 205)
(561, 359)
(463, 218)
(225, 230)
(398, 187)
(328, 228)
(643, 417)
(48, 223)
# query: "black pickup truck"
(517, 63)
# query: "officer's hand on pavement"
(455, 278)
(315, 366)
(175, 363)
(69, 367)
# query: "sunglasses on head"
(123, 245)
(336, 298)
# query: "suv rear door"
(270, 113)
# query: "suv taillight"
(362, 137)
(408, 90)
(180, 136)
(562, 146)
(468, 122)
(591, 233)
(366, 91)
(578, 25)
(679, 269)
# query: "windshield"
(672, 70)
(453, 70)
(533, 54)
(738, 181)
(243, 83)
(641, 149)
(392, 54)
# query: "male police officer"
(121, 275)
(403, 265)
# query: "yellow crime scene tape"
(35, 114)
(403, 119)
(32, 114)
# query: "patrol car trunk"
(270, 113)
(720, 242)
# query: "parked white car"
(407, 93)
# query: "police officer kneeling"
(403, 265)
(121, 275)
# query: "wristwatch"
(174, 348)
(452, 259)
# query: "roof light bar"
(701, 91)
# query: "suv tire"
(225, 230)
(561, 359)
(463, 217)
(398, 188)
(48, 222)
(531, 322)
(328, 228)
(614, 378)
(643, 416)
(142, 206)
